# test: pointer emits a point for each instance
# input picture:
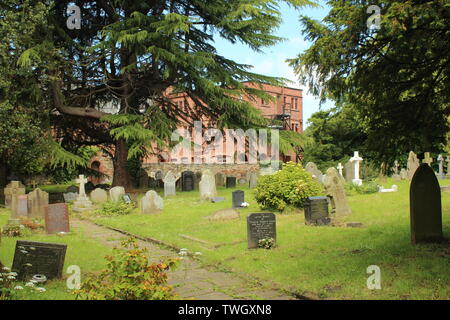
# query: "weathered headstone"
(425, 206)
(316, 211)
(335, 190)
(231, 182)
(70, 196)
(99, 196)
(440, 159)
(127, 198)
(56, 218)
(116, 194)
(356, 159)
(22, 206)
(413, 164)
(403, 174)
(349, 173)
(151, 203)
(82, 203)
(36, 202)
(253, 180)
(237, 198)
(224, 214)
(220, 179)
(12, 190)
(207, 185)
(187, 181)
(395, 173)
(169, 184)
(311, 167)
(260, 226)
(31, 258)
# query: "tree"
(397, 76)
(131, 54)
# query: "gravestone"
(72, 189)
(311, 167)
(99, 196)
(127, 198)
(82, 203)
(36, 202)
(395, 173)
(425, 206)
(151, 203)
(413, 164)
(207, 185)
(31, 258)
(253, 180)
(336, 191)
(349, 173)
(440, 159)
(260, 226)
(316, 211)
(231, 182)
(237, 198)
(220, 179)
(22, 206)
(403, 174)
(56, 218)
(70, 196)
(187, 181)
(56, 197)
(224, 214)
(12, 190)
(242, 181)
(169, 184)
(356, 160)
(116, 194)
(427, 159)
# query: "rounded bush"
(290, 186)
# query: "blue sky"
(272, 61)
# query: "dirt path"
(190, 280)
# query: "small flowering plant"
(267, 243)
(9, 286)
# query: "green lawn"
(81, 251)
(326, 262)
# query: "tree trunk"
(3, 181)
(121, 175)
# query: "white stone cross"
(356, 159)
(82, 181)
(340, 167)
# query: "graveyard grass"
(82, 251)
(311, 261)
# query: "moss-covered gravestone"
(425, 206)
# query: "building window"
(292, 127)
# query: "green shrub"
(365, 188)
(129, 276)
(289, 186)
(114, 209)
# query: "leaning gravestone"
(237, 198)
(207, 185)
(231, 182)
(31, 258)
(151, 203)
(335, 190)
(260, 226)
(36, 202)
(316, 211)
(56, 218)
(116, 194)
(425, 206)
(311, 167)
(99, 196)
(413, 164)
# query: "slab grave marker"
(238, 198)
(37, 199)
(56, 218)
(425, 206)
(187, 181)
(231, 182)
(260, 226)
(22, 206)
(316, 211)
(31, 258)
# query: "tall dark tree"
(397, 76)
(129, 54)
